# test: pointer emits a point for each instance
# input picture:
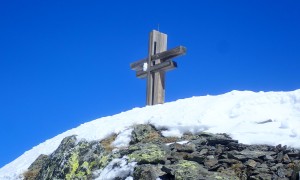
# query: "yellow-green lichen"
(149, 154)
(77, 172)
(83, 145)
(92, 164)
(187, 164)
(80, 175)
(73, 164)
(223, 177)
(218, 177)
(186, 170)
(86, 166)
(104, 161)
(133, 148)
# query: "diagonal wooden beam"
(163, 56)
(178, 51)
(164, 66)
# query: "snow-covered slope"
(250, 117)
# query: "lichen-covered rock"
(296, 171)
(260, 176)
(210, 161)
(221, 176)
(189, 170)
(35, 167)
(251, 163)
(50, 169)
(184, 169)
(73, 160)
(144, 133)
(151, 156)
(148, 172)
(194, 156)
(213, 139)
(286, 159)
(227, 174)
(148, 153)
(188, 147)
(248, 154)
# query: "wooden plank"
(160, 45)
(138, 65)
(180, 50)
(164, 66)
(156, 81)
(163, 56)
(150, 77)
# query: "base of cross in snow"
(151, 156)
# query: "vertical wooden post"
(156, 81)
(149, 95)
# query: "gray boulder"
(144, 133)
(73, 160)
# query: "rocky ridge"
(150, 156)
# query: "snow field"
(250, 117)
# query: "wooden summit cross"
(155, 65)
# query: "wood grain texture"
(165, 66)
(163, 56)
(156, 80)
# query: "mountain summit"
(264, 118)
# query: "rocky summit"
(151, 156)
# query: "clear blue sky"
(63, 63)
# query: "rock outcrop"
(151, 156)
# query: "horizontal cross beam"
(164, 66)
(163, 56)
